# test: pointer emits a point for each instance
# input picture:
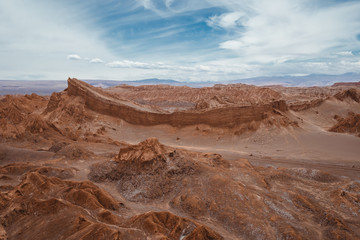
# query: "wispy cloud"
(169, 8)
(181, 39)
(128, 64)
(228, 21)
(140, 65)
(281, 29)
(36, 39)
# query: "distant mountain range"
(46, 87)
(43, 87)
(289, 81)
(151, 81)
(301, 81)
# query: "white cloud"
(232, 45)
(96, 60)
(289, 29)
(275, 37)
(73, 57)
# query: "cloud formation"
(180, 39)
(280, 36)
(96, 60)
(131, 64)
(73, 57)
(282, 30)
(228, 21)
(37, 37)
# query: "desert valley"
(173, 162)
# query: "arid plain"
(172, 162)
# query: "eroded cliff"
(226, 116)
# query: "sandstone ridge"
(227, 116)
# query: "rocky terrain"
(349, 124)
(164, 162)
(215, 114)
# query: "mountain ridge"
(46, 87)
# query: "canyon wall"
(302, 106)
(231, 116)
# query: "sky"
(184, 40)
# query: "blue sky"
(186, 40)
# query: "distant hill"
(46, 87)
(150, 81)
(301, 81)
(43, 87)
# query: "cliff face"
(230, 116)
(306, 105)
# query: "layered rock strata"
(133, 113)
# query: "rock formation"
(18, 114)
(148, 170)
(230, 116)
(351, 94)
(349, 124)
(301, 106)
(250, 203)
(48, 207)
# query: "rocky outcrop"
(148, 170)
(230, 116)
(36, 208)
(248, 202)
(350, 124)
(351, 93)
(53, 103)
(39, 205)
(19, 116)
